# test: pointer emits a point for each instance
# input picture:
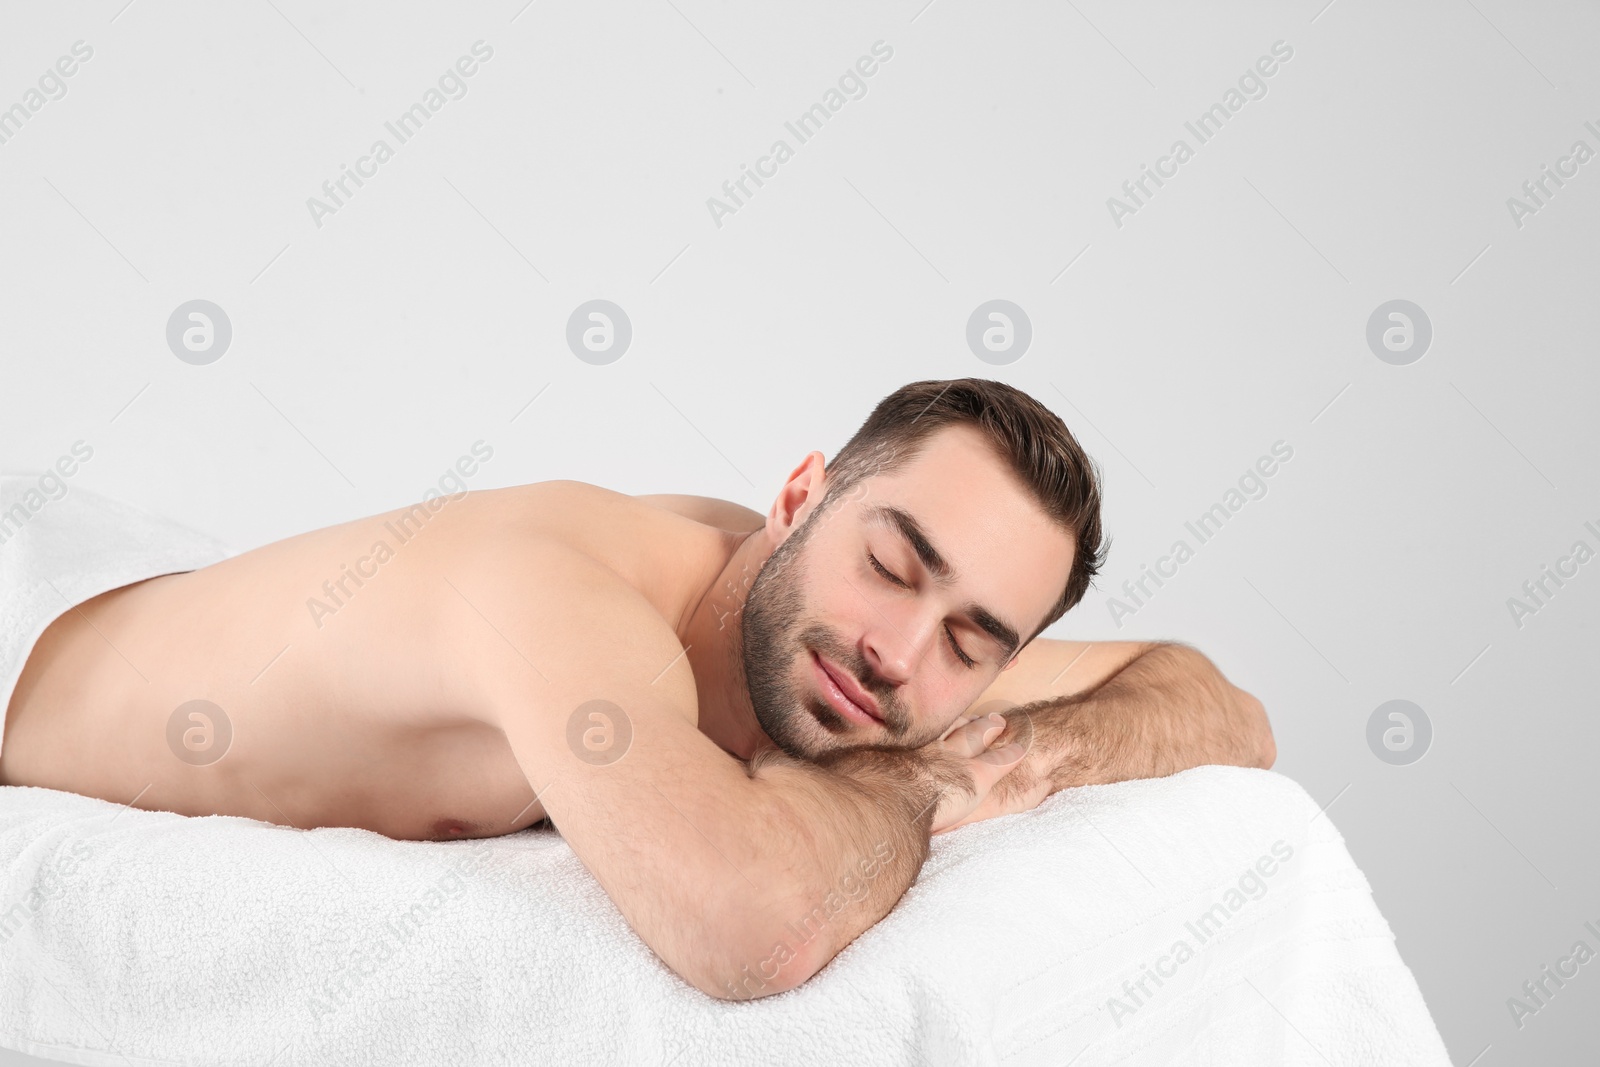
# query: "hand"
(1023, 785)
(968, 768)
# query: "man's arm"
(1098, 712)
(745, 881)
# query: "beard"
(774, 638)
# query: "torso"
(365, 711)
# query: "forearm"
(1166, 711)
(857, 824)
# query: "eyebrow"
(908, 527)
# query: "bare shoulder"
(710, 511)
(552, 625)
(723, 514)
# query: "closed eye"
(966, 660)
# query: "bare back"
(353, 692)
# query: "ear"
(802, 491)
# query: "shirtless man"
(724, 714)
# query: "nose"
(895, 643)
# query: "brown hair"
(1030, 437)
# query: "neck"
(711, 633)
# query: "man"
(723, 714)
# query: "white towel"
(148, 937)
(223, 940)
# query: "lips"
(847, 698)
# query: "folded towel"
(1210, 917)
(1113, 922)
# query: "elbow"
(755, 967)
(1266, 748)
(761, 944)
(756, 945)
(1269, 752)
(1256, 747)
(749, 984)
(758, 948)
(793, 940)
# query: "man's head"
(958, 522)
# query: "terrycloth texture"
(59, 549)
(151, 938)
(223, 940)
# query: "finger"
(958, 797)
(1005, 757)
(958, 724)
(999, 727)
(990, 808)
(975, 736)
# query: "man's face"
(969, 566)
